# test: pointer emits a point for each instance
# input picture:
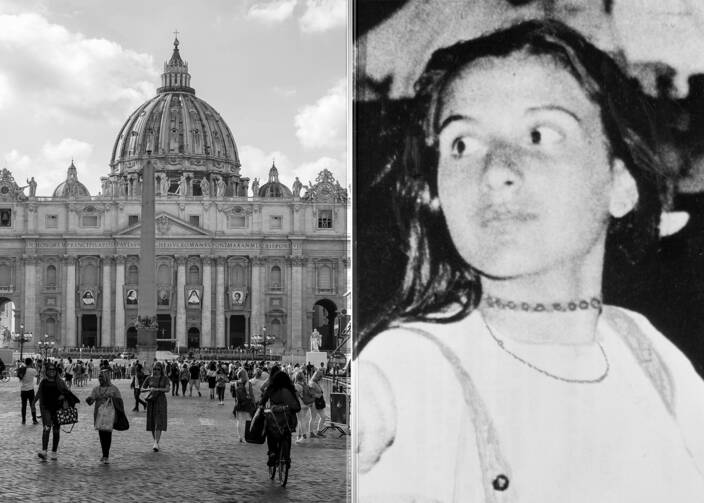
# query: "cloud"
(54, 72)
(286, 92)
(323, 125)
(49, 168)
(323, 15)
(271, 12)
(307, 172)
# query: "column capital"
(69, 260)
(297, 260)
(207, 260)
(221, 261)
(106, 259)
(120, 259)
(29, 259)
(258, 260)
(181, 260)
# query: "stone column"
(220, 303)
(30, 296)
(297, 264)
(70, 296)
(181, 339)
(257, 295)
(206, 315)
(120, 336)
(106, 338)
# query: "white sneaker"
(106, 461)
(53, 455)
(42, 455)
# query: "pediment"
(166, 226)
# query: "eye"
(465, 145)
(545, 135)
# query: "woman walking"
(307, 400)
(184, 376)
(316, 412)
(105, 396)
(158, 386)
(220, 384)
(244, 402)
(51, 396)
(211, 375)
(174, 375)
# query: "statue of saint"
(255, 187)
(297, 186)
(164, 183)
(205, 187)
(182, 186)
(315, 339)
(220, 187)
(32, 187)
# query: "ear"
(624, 191)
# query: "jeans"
(105, 442)
(28, 396)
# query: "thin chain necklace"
(545, 372)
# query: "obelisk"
(146, 309)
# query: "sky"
(73, 70)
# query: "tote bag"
(105, 419)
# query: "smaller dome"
(274, 188)
(71, 188)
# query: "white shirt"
(27, 382)
(613, 441)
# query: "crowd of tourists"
(245, 382)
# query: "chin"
(507, 265)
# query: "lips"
(492, 215)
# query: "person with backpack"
(241, 390)
(26, 376)
(305, 396)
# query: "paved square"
(200, 458)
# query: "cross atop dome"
(176, 76)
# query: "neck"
(558, 285)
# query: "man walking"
(26, 375)
(195, 379)
(136, 385)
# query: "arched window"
(324, 279)
(275, 278)
(193, 275)
(89, 274)
(237, 275)
(51, 327)
(163, 275)
(51, 276)
(132, 275)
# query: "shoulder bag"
(67, 415)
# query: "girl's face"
(525, 179)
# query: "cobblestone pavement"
(200, 458)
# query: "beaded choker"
(541, 307)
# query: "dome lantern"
(176, 76)
(71, 187)
(273, 188)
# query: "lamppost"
(263, 340)
(22, 337)
(44, 346)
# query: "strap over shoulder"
(496, 472)
(646, 355)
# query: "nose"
(502, 171)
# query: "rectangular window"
(52, 221)
(89, 220)
(324, 219)
(5, 217)
(236, 221)
(132, 220)
(277, 222)
(194, 220)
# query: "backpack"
(241, 392)
(307, 396)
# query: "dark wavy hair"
(439, 285)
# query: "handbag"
(105, 419)
(255, 430)
(121, 422)
(67, 415)
(320, 402)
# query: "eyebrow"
(541, 108)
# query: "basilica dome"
(274, 188)
(177, 130)
(71, 187)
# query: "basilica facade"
(233, 259)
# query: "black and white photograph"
(155, 158)
(531, 174)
